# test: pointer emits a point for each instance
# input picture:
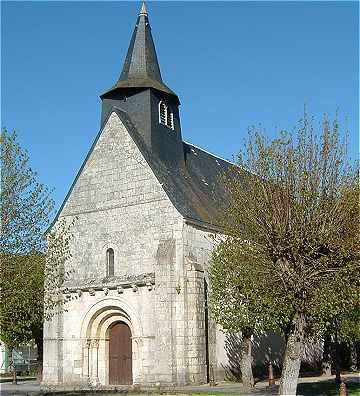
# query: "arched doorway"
(120, 354)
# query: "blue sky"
(233, 64)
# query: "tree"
(26, 205)
(21, 315)
(291, 226)
(25, 209)
(231, 309)
(337, 319)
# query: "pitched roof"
(195, 189)
(141, 67)
(193, 185)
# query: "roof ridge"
(208, 152)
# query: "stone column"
(196, 351)
(86, 360)
(95, 362)
(165, 362)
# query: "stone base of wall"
(219, 374)
(84, 387)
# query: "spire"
(143, 10)
(141, 67)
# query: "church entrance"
(120, 354)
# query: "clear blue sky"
(233, 64)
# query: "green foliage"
(27, 258)
(25, 204)
(234, 298)
(292, 232)
(21, 297)
(335, 309)
(57, 254)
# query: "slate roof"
(195, 189)
(193, 185)
(141, 67)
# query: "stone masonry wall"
(118, 203)
(198, 244)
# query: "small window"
(110, 262)
(170, 119)
(166, 116)
(163, 111)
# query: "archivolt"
(106, 312)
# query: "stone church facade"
(145, 205)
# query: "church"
(145, 204)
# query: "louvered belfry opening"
(169, 118)
(163, 113)
(120, 354)
(142, 85)
(166, 116)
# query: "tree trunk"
(292, 359)
(12, 366)
(246, 360)
(337, 362)
(39, 357)
(326, 358)
(353, 357)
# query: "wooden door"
(120, 354)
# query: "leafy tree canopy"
(31, 270)
(291, 251)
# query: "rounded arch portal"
(100, 322)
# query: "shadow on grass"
(327, 389)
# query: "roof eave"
(117, 88)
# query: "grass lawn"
(327, 389)
(149, 393)
(315, 388)
(305, 389)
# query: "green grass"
(150, 393)
(326, 389)
(305, 389)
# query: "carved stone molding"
(95, 343)
(117, 283)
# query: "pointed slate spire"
(143, 10)
(141, 67)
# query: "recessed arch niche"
(95, 332)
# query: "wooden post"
(271, 375)
(342, 389)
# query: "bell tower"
(140, 91)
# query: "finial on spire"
(143, 10)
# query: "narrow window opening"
(166, 116)
(169, 118)
(163, 113)
(110, 262)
